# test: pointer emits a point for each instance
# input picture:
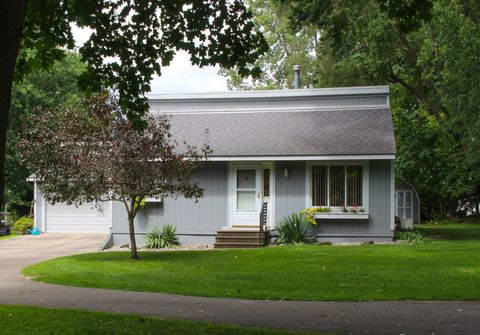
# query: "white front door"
(246, 200)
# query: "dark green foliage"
(294, 229)
(130, 43)
(408, 15)
(47, 89)
(139, 38)
(427, 52)
(23, 224)
(12, 217)
(286, 50)
(165, 238)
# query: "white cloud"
(81, 35)
(180, 77)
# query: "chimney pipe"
(296, 79)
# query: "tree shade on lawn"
(445, 267)
(38, 321)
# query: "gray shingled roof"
(289, 133)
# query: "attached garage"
(63, 218)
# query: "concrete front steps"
(240, 238)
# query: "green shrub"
(294, 229)
(410, 236)
(23, 224)
(165, 238)
(309, 213)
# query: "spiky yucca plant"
(294, 229)
(165, 238)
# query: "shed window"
(337, 185)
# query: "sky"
(180, 77)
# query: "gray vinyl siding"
(291, 197)
(381, 195)
(203, 218)
(271, 100)
(199, 222)
(290, 192)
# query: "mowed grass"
(38, 321)
(445, 267)
(4, 237)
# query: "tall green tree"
(432, 66)
(287, 48)
(45, 89)
(428, 52)
(131, 42)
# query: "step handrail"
(263, 221)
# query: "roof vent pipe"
(296, 78)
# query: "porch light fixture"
(285, 172)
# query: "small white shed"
(407, 205)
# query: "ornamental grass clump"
(295, 229)
(165, 238)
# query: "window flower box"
(341, 215)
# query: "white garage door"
(62, 218)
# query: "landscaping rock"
(126, 247)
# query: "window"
(337, 185)
(404, 205)
(246, 189)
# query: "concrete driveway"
(395, 317)
(17, 253)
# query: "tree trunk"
(440, 207)
(477, 204)
(133, 243)
(12, 17)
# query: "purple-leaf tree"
(96, 154)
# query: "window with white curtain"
(337, 185)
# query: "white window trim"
(336, 210)
(232, 167)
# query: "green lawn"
(38, 321)
(4, 237)
(446, 267)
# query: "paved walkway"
(339, 317)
